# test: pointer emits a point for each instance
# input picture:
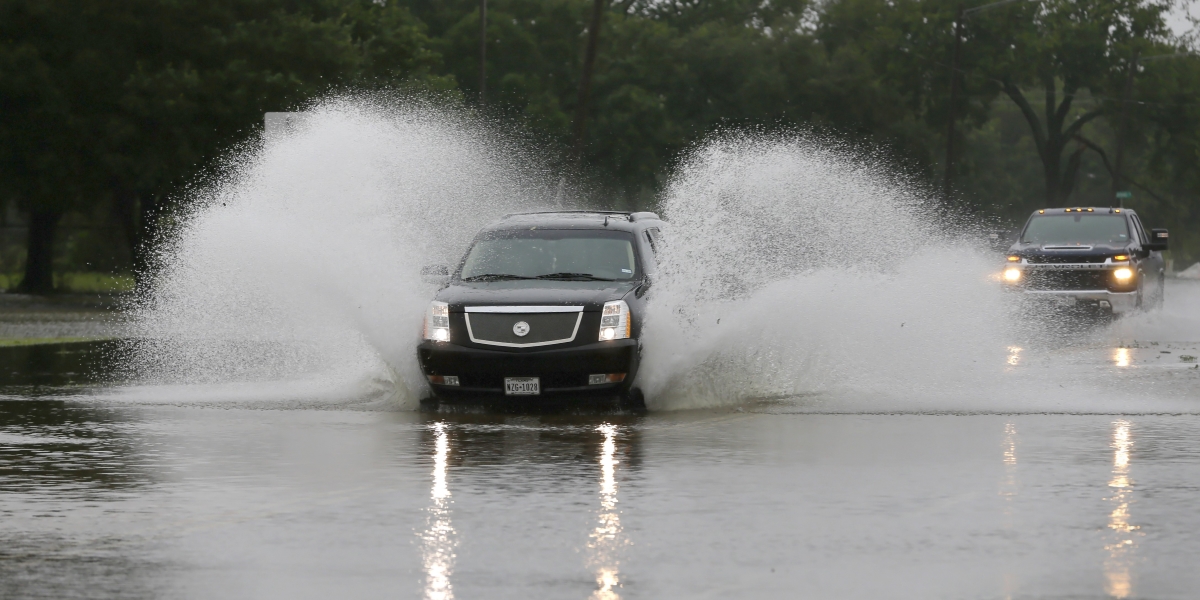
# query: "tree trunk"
(138, 219)
(1051, 137)
(126, 205)
(585, 82)
(39, 268)
(147, 231)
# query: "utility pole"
(1127, 119)
(962, 13)
(1123, 134)
(585, 82)
(482, 52)
(947, 182)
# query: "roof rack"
(631, 216)
(623, 213)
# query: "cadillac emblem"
(521, 329)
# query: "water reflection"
(74, 450)
(1121, 357)
(439, 537)
(1008, 493)
(1121, 547)
(606, 537)
(1008, 486)
(1014, 356)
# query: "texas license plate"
(1067, 300)
(522, 386)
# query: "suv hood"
(590, 294)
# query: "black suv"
(543, 304)
(1098, 258)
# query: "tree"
(44, 133)
(1066, 47)
(134, 100)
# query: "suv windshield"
(573, 255)
(1076, 229)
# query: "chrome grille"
(543, 325)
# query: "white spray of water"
(792, 271)
(797, 271)
(304, 265)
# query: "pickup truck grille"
(1046, 259)
(543, 328)
(1054, 279)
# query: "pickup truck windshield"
(1071, 229)
(571, 255)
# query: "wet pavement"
(108, 499)
(183, 502)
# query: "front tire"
(633, 400)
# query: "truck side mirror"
(1158, 239)
(437, 274)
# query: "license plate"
(522, 386)
(1067, 301)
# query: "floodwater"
(843, 403)
(102, 496)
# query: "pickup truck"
(1100, 258)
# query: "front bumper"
(561, 370)
(1119, 302)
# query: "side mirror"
(437, 274)
(643, 287)
(1158, 239)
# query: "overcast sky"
(1179, 19)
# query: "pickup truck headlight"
(615, 323)
(1123, 274)
(1012, 275)
(437, 322)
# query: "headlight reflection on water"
(606, 537)
(439, 537)
(1014, 356)
(1120, 559)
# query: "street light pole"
(948, 180)
(482, 52)
(963, 12)
(1123, 134)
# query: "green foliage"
(130, 101)
(124, 104)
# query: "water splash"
(303, 264)
(794, 270)
(810, 274)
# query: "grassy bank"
(77, 283)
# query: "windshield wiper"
(494, 277)
(575, 276)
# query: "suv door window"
(652, 238)
(1139, 231)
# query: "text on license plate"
(522, 386)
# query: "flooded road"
(1071, 469)
(103, 499)
(843, 402)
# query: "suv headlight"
(615, 323)
(437, 322)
